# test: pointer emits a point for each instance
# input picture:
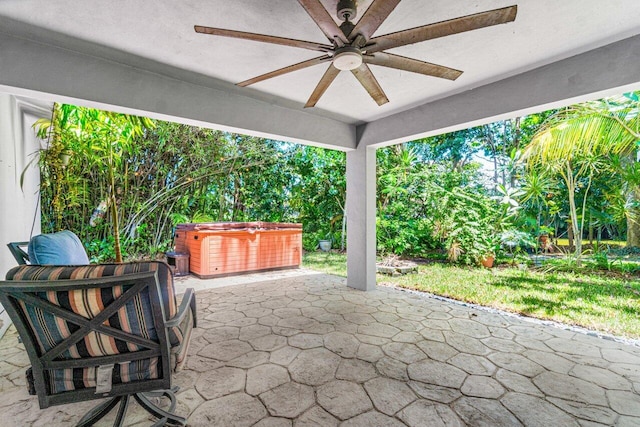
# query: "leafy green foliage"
(425, 205)
(432, 197)
(153, 175)
(317, 194)
(577, 145)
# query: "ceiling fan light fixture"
(348, 59)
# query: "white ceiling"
(544, 31)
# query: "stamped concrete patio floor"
(308, 351)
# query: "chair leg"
(122, 411)
(165, 417)
(161, 393)
(97, 413)
(170, 394)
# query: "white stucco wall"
(19, 207)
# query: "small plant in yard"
(567, 263)
(600, 258)
(391, 260)
(454, 252)
(517, 242)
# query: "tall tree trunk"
(222, 205)
(343, 235)
(517, 136)
(633, 218)
(236, 207)
(573, 213)
(494, 155)
(570, 236)
(503, 151)
(114, 213)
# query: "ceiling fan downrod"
(347, 57)
(347, 10)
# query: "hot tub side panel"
(194, 247)
(280, 248)
(233, 252)
(223, 252)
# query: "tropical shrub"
(127, 181)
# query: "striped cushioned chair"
(106, 330)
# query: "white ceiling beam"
(54, 74)
(600, 72)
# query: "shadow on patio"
(300, 348)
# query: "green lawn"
(605, 304)
(327, 262)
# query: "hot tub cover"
(255, 225)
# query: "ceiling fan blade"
(285, 70)
(324, 83)
(319, 14)
(408, 64)
(373, 17)
(263, 38)
(444, 28)
(369, 82)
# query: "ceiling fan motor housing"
(347, 10)
(347, 58)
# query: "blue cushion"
(61, 248)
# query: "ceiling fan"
(351, 46)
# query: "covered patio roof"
(144, 57)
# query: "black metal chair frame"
(14, 290)
(18, 253)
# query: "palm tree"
(536, 190)
(577, 144)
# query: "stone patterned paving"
(308, 351)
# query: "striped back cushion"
(134, 317)
(35, 272)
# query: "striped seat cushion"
(61, 380)
(134, 317)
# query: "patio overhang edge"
(608, 70)
(51, 73)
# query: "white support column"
(361, 218)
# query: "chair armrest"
(188, 303)
(18, 253)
